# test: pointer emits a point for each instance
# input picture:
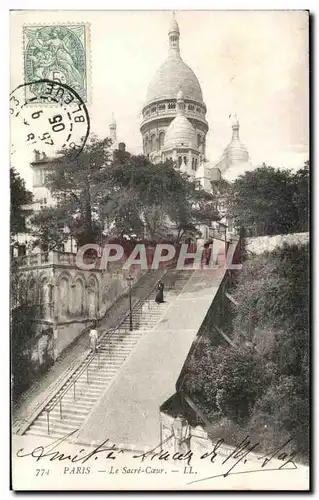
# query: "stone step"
(106, 351)
(67, 414)
(93, 388)
(114, 350)
(54, 423)
(42, 432)
(81, 399)
(85, 397)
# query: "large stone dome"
(168, 79)
(161, 105)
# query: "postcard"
(159, 234)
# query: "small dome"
(236, 152)
(180, 133)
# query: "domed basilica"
(174, 124)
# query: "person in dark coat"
(159, 298)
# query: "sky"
(253, 63)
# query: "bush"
(262, 386)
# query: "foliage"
(48, 228)
(272, 291)
(19, 196)
(271, 201)
(263, 383)
(225, 381)
(155, 197)
(22, 328)
(134, 197)
(76, 183)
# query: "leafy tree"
(134, 197)
(301, 196)
(271, 201)
(240, 381)
(19, 196)
(224, 381)
(272, 291)
(262, 384)
(49, 228)
(155, 197)
(75, 183)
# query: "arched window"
(161, 139)
(153, 142)
(193, 164)
(199, 139)
(179, 161)
(185, 160)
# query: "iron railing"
(106, 336)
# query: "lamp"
(180, 428)
(129, 280)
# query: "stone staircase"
(75, 400)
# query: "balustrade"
(53, 257)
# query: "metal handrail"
(142, 301)
(87, 363)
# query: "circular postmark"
(48, 115)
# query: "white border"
(4, 184)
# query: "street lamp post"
(181, 433)
(129, 280)
(224, 226)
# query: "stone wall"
(66, 333)
(39, 352)
(260, 244)
(65, 294)
(68, 299)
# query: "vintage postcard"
(159, 250)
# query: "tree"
(271, 201)
(301, 196)
(75, 182)
(224, 381)
(262, 383)
(272, 292)
(19, 196)
(49, 228)
(134, 197)
(157, 198)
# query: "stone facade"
(161, 105)
(67, 298)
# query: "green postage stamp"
(58, 53)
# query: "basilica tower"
(235, 158)
(160, 108)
